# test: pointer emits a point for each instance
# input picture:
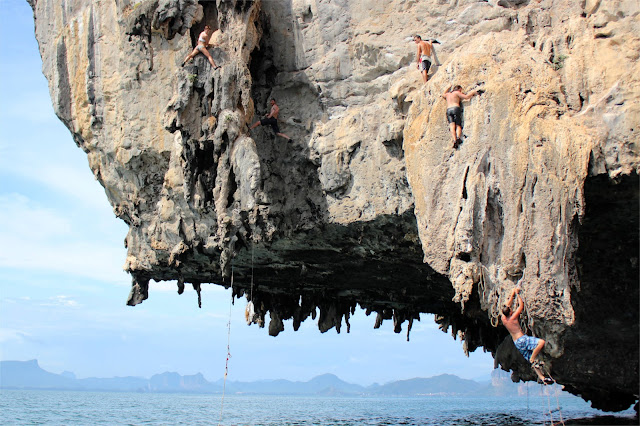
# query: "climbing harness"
(226, 366)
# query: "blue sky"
(63, 291)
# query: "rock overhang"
(369, 190)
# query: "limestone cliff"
(369, 204)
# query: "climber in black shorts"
(454, 115)
(454, 111)
(273, 122)
(271, 119)
(423, 55)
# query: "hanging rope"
(544, 413)
(226, 366)
(558, 402)
(249, 310)
(557, 399)
(559, 409)
(251, 293)
(482, 288)
(526, 321)
(549, 405)
(494, 300)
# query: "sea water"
(18, 407)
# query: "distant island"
(29, 376)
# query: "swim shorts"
(272, 122)
(425, 64)
(526, 345)
(454, 115)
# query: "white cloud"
(33, 108)
(21, 217)
(37, 238)
(426, 324)
(67, 178)
(76, 258)
(77, 183)
(165, 286)
(64, 301)
(214, 316)
(11, 335)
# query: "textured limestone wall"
(370, 204)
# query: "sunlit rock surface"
(370, 205)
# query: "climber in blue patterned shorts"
(528, 346)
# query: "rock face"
(369, 204)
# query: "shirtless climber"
(272, 120)
(528, 346)
(202, 47)
(454, 112)
(423, 56)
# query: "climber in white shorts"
(203, 47)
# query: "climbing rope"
(494, 300)
(226, 366)
(526, 322)
(482, 288)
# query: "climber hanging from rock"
(528, 346)
(203, 45)
(423, 56)
(272, 120)
(454, 111)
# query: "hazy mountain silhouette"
(442, 384)
(29, 375)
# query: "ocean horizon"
(27, 407)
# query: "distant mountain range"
(29, 375)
